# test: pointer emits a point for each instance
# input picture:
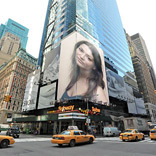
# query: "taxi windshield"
(65, 132)
(128, 131)
(153, 131)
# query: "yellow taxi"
(6, 140)
(72, 137)
(131, 134)
(153, 134)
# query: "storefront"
(56, 119)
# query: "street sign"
(88, 120)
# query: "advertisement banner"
(130, 99)
(51, 65)
(50, 75)
(116, 85)
(47, 96)
(82, 70)
(30, 96)
(140, 106)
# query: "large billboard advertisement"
(140, 106)
(130, 99)
(117, 88)
(50, 75)
(82, 70)
(116, 85)
(30, 96)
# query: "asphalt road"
(29, 145)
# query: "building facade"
(142, 72)
(9, 45)
(67, 24)
(13, 77)
(144, 80)
(143, 51)
(16, 29)
(151, 110)
(104, 31)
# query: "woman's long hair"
(96, 77)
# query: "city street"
(33, 145)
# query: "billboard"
(51, 65)
(140, 106)
(82, 70)
(50, 75)
(47, 96)
(116, 85)
(30, 95)
(130, 99)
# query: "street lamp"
(88, 120)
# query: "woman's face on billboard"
(84, 57)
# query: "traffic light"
(7, 98)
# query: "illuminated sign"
(66, 108)
(94, 109)
(71, 116)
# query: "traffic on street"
(41, 145)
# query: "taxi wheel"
(143, 138)
(72, 143)
(91, 140)
(4, 143)
(60, 145)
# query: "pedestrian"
(94, 132)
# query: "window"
(82, 133)
(76, 133)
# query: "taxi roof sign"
(72, 127)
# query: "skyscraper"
(142, 73)
(9, 45)
(143, 51)
(16, 29)
(98, 21)
(85, 66)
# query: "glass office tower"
(16, 29)
(100, 22)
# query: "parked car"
(6, 140)
(153, 134)
(111, 131)
(131, 134)
(13, 132)
(72, 137)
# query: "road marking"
(32, 139)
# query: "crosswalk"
(116, 139)
(32, 139)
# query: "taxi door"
(78, 137)
(139, 135)
(84, 137)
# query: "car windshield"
(153, 131)
(65, 132)
(128, 131)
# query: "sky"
(138, 16)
